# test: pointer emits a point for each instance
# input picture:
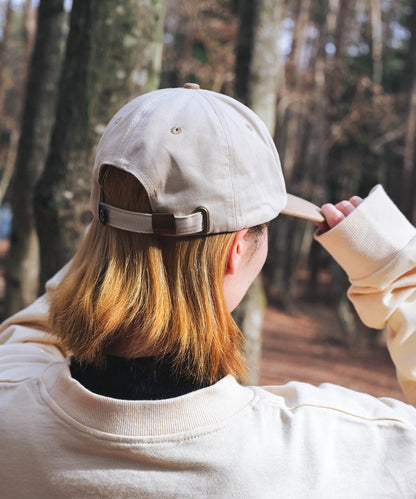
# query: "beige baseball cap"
(206, 161)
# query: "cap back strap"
(166, 224)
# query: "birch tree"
(257, 78)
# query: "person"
(124, 379)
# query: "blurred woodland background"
(334, 80)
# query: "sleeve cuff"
(369, 237)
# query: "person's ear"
(237, 252)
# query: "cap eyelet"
(175, 130)
(102, 214)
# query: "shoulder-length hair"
(156, 295)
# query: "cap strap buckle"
(205, 219)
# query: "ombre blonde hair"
(158, 295)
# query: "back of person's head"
(150, 293)
(178, 172)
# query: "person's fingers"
(332, 215)
(345, 207)
(356, 201)
(322, 227)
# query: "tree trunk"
(3, 52)
(249, 316)
(285, 233)
(257, 77)
(409, 160)
(29, 28)
(377, 41)
(10, 156)
(38, 114)
(113, 54)
(266, 63)
(248, 13)
(294, 77)
(9, 162)
(410, 156)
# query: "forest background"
(334, 80)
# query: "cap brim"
(298, 207)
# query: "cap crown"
(191, 148)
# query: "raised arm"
(376, 246)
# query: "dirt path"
(303, 347)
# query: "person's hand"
(334, 214)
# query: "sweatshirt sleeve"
(376, 246)
(31, 325)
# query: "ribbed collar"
(201, 408)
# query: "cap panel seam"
(134, 122)
(126, 164)
(228, 154)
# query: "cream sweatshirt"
(293, 441)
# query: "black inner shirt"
(144, 378)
